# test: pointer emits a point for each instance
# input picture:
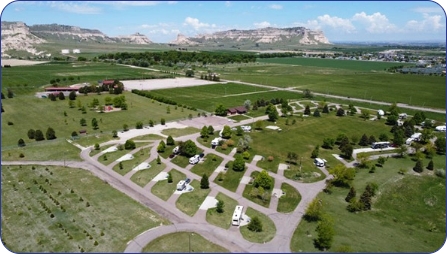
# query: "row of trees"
(162, 99)
(38, 134)
(174, 57)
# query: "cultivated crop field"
(354, 65)
(25, 79)
(56, 209)
(419, 90)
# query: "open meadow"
(56, 209)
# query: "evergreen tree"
(220, 206)
(83, 122)
(39, 135)
(161, 147)
(325, 109)
(50, 134)
(31, 133)
(418, 167)
(210, 130)
(21, 143)
(430, 165)
(340, 112)
(365, 199)
(162, 121)
(351, 194)
(371, 139)
(317, 113)
(255, 224)
(307, 110)
(170, 141)
(61, 96)
(363, 140)
(204, 182)
(315, 152)
(94, 123)
(72, 95)
(158, 159)
(170, 177)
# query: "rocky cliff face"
(270, 35)
(17, 36)
(135, 39)
(182, 40)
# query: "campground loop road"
(228, 238)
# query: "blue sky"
(161, 21)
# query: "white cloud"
(196, 24)
(74, 7)
(275, 6)
(428, 9)
(375, 23)
(262, 24)
(327, 21)
(228, 3)
(428, 24)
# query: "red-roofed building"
(239, 110)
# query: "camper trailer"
(319, 162)
(181, 185)
(237, 215)
(440, 128)
(195, 159)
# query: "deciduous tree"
(204, 182)
(325, 233)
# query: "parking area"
(198, 122)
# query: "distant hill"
(268, 35)
(18, 37)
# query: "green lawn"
(395, 223)
(51, 114)
(163, 189)
(28, 227)
(190, 202)
(268, 228)
(288, 202)
(144, 176)
(128, 165)
(238, 118)
(174, 132)
(231, 179)
(222, 220)
(183, 242)
(210, 163)
(95, 152)
(257, 199)
(180, 161)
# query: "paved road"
(231, 239)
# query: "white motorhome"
(409, 141)
(195, 159)
(440, 128)
(237, 215)
(215, 142)
(176, 150)
(319, 162)
(246, 128)
(416, 136)
(181, 185)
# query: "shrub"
(440, 172)
(270, 158)
(255, 225)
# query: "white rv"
(215, 142)
(195, 159)
(416, 136)
(440, 128)
(246, 128)
(237, 215)
(319, 162)
(176, 150)
(181, 185)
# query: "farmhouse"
(239, 110)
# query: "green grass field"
(26, 79)
(256, 199)
(333, 63)
(231, 179)
(190, 202)
(222, 220)
(408, 214)
(183, 242)
(163, 189)
(268, 228)
(51, 114)
(70, 224)
(207, 166)
(144, 176)
(288, 202)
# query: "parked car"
(172, 155)
(187, 181)
(201, 155)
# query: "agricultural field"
(379, 86)
(56, 209)
(26, 79)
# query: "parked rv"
(181, 185)
(176, 150)
(195, 159)
(319, 162)
(440, 128)
(237, 215)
